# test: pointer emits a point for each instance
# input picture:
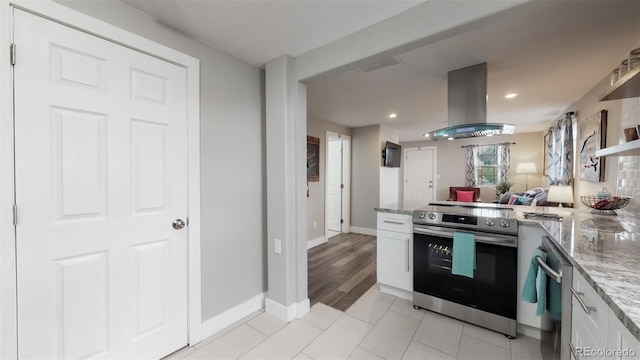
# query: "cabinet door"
(620, 342)
(394, 259)
(582, 342)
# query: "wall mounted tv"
(391, 155)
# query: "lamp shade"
(526, 168)
(560, 194)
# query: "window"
(487, 164)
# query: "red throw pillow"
(464, 196)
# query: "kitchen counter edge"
(568, 219)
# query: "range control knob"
(431, 216)
(489, 222)
(504, 223)
(421, 215)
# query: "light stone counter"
(394, 211)
(605, 250)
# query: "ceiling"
(551, 53)
(258, 31)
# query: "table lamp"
(526, 168)
(560, 194)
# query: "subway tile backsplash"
(629, 166)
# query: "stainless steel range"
(489, 297)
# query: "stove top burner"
(468, 217)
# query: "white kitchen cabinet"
(620, 342)
(596, 331)
(395, 254)
(588, 320)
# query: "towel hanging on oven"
(529, 293)
(464, 254)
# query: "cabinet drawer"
(395, 222)
(594, 317)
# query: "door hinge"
(341, 221)
(12, 53)
(15, 214)
(341, 186)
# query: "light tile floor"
(376, 326)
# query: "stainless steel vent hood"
(467, 103)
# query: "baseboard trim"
(287, 313)
(365, 231)
(315, 242)
(221, 321)
(529, 331)
(391, 290)
(303, 308)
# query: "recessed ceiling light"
(450, 138)
(426, 135)
(510, 96)
(393, 116)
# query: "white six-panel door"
(419, 179)
(101, 174)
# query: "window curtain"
(472, 166)
(504, 154)
(560, 151)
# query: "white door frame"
(346, 180)
(434, 190)
(64, 15)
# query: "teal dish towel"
(529, 292)
(554, 300)
(464, 254)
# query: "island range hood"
(467, 104)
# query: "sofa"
(537, 196)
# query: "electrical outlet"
(277, 246)
(315, 225)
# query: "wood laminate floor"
(342, 269)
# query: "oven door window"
(493, 287)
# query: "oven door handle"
(549, 271)
(494, 239)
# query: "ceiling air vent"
(380, 64)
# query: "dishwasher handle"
(549, 271)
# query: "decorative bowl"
(605, 206)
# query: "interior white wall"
(389, 177)
(233, 191)
(452, 160)
(316, 200)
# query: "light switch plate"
(277, 246)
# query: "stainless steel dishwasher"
(559, 269)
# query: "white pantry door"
(419, 182)
(101, 174)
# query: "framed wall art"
(592, 137)
(313, 158)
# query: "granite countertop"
(395, 211)
(605, 250)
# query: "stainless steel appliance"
(559, 269)
(489, 299)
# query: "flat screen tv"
(391, 155)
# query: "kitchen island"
(605, 250)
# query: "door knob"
(178, 224)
